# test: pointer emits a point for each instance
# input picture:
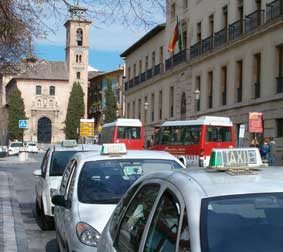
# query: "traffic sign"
(87, 127)
(23, 124)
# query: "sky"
(107, 42)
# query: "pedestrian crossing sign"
(23, 124)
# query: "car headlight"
(53, 192)
(87, 234)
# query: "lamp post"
(197, 98)
(145, 111)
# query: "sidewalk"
(12, 234)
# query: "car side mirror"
(37, 173)
(59, 200)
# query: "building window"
(173, 10)
(77, 58)
(280, 69)
(211, 25)
(257, 65)
(161, 54)
(52, 90)
(184, 35)
(146, 62)
(80, 58)
(183, 106)
(198, 87)
(160, 104)
(78, 75)
(128, 110)
(140, 66)
(224, 85)
(171, 102)
(239, 79)
(134, 109)
(185, 4)
(79, 37)
(152, 106)
(129, 73)
(135, 70)
(210, 89)
(225, 16)
(241, 15)
(258, 5)
(199, 36)
(38, 90)
(153, 59)
(39, 103)
(279, 124)
(139, 109)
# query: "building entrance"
(44, 130)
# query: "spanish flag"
(177, 36)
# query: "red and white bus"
(192, 140)
(127, 131)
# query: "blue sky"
(107, 42)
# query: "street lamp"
(197, 97)
(146, 106)
(117, 113)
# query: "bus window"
(176, 135)
(107, 135)
(218, 134)
(129, 132)
(192, 135)
(165, 135)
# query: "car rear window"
(17, 145)
(59, 161)
(104, 182)
(242, 223)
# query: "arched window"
(79, 37)
(183, 106)
(52, 90)
(80, 59)
(78, 75)
(77, 58)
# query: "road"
(22, 184)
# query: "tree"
(22, 21)
(16, 112)
(110, 104)
(75, 111)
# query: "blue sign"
(23, 124)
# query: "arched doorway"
(183, 107)
(44, 130)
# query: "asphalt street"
(22, 184)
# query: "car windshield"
(104, 182)
(59, 161)
(17, 144)
(242, 223)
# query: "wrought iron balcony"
(220, 37)
(257, 89)
(236, 30)
(274, 10)
(279, 84)
(168, 64)
(131, 83)
(137, 80)
(149, 74)
(176, 59)
(239, 94)
(143, 77)
(254, 20)
(126, 85)
(207, 44)
(158, 69)
(196, 50)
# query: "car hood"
(96, 215)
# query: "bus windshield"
(180, 135)
(126, 132)
(218, 134)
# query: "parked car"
(50, 175)
(14, 148)
(229, 207)
(31, 147)
(91, 187)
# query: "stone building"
(232, 54)
(46, 85)
(96, 98)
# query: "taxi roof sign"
(224, 159)
(69, 143)
(113, 149)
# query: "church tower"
(77, 45)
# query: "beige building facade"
(232, 54)
(46, 85)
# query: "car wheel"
(45, 222)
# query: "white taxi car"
(14, 148)
(50, 175)
(235, 205)
(92, 185)
(31, 147)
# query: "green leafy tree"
(75, 112)
(110, 104)
(16, 112)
